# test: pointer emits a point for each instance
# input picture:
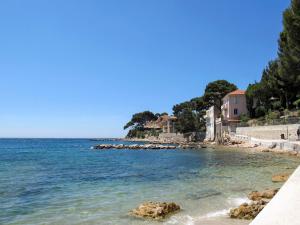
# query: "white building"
(210, 117)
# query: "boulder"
(280, 177)
(248, 211)
(155, 210)
(267, 194)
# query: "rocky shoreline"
(228, 144)
(251, 148)
(155, 210)
(249, 211)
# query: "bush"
(297, 103)
(276, 105)
(260, 111)
(273, 115)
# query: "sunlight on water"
(63, 181)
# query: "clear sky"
(81, 68)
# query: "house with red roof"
(234, 105)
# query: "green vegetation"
(216, 91)
(190, 114)
(279, 88)
(137, 122)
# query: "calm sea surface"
(64, 181)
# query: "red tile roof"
(237, 92)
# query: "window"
(235, 111)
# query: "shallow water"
(64, 181)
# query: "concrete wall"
(283, 209)
(270, 132)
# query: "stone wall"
(171, 137)
(270, 132)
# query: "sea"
(66, 181)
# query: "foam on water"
(238, 201)
(51, 181)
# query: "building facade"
(234, 105)
(164, 124)
(219, 123)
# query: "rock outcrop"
(267, 194)
(155, 210)
(280, 177)
(248, 211)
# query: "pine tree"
(289, 53)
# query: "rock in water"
(155, 210)
(280, 177)
(248, 211)
(267, 194)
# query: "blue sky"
(82, 68)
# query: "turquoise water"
(64, 181)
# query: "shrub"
(260, 111)
(273, 115)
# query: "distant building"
(165, 124)
(211, 115)
(234, 105)
(217, 123)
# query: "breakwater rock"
(134, 147)
(155, 210)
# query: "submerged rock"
(280, 177)
(267, 194)
(203, 194)
(248, 211)
(155, 210)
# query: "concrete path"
(284, 208)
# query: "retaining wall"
(270, 132)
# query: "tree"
(190, 115)
(289, 54)
(253, 98)
(138, 120)
(216, 91)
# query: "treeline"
(190, 114)
(279, 87)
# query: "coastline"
(240, 145)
